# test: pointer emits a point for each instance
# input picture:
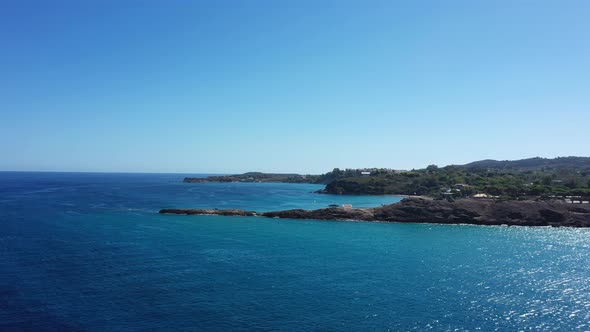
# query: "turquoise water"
(87, 252)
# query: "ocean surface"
(88, 252)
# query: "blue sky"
(290, 86)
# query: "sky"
(290, 86)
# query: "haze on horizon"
(305, 86)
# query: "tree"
(571, 183)
(547, 180)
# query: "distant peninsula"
(566, 178)
(256, 177)
(425, 210)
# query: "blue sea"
(89, 252)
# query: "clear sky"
(301, 86)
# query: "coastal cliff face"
(423, 210)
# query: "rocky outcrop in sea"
(425, 210)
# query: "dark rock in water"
(424, 210)
(323, 214)
(231, 212)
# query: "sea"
(89, 252)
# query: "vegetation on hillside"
(500, 179)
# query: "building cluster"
(575, 200)
(377, 171)
(456, 191)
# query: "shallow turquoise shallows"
(88, 252)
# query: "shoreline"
(429, 211)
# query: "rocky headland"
(425, 210)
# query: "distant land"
(567, 178)
(257, 177)
(528, 192)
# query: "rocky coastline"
(425, 210)
(225, 212)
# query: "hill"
(535, 177)
(532, 163)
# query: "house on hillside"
(450, 193)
